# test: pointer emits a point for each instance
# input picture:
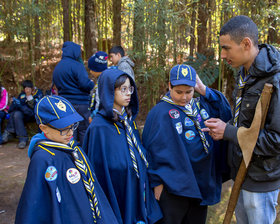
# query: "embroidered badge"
(22, 96)
(61, 106)
(204, 114)
(188, 122)
(58, 195)
(185, 71)
(73, 175)
(140, 222)
(51, 173)
(174, 114)
(179, 127)
(189, 135)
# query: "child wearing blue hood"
(72, 82)
(185, 163)
(97, 63)
(61, 186)
(113, 146)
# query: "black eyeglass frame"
(65, 131)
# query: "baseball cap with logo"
(182, 75)
(98, 61)
(56, 111)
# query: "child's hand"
(90, 119)
(199, 86)
(157, 191)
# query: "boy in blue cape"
(113, 146)
(185, 163)
(61, 186)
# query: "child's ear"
(169, 86)
(44, 128)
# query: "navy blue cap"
(182, 75)
(56, 111)
(98, 61)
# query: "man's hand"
(216, 128)
(199, 86)
(157, 191)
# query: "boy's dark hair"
(117, 49)
(27, 83)
(240, 27)
(121, 80)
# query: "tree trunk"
(202, 26)
(138, 31)
(211, 7)
(192, 29)
(161, 29)
(117, 6)
(272, 30)
(37, 49)
(90, 29)
(67, 28)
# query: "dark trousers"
(16, 124)
(181, 210)
(2, 117)
(81, 130)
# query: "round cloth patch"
(188, 122)
(51, 173)
(175, 114)
(204, 114)
(73, 175)
(189, 135)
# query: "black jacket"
(264, 170)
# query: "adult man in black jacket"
(259, 64)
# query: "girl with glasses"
(113, 145)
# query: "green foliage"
(206, 67)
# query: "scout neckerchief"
(192, 113)
(132, 141)
(243, 78)
(93, 97)
(85, 171)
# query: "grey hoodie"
(126, 65)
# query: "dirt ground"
(13, 168)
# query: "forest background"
(155, 34)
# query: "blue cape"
(50, 196)
(105, 143)
(175, 150)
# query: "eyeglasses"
(65, 131)
(126, 90)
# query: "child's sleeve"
(216, 104)
(4, 99)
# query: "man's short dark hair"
(116, 50)
(27, 83)
(240, 27)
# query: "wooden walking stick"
(247, 139)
